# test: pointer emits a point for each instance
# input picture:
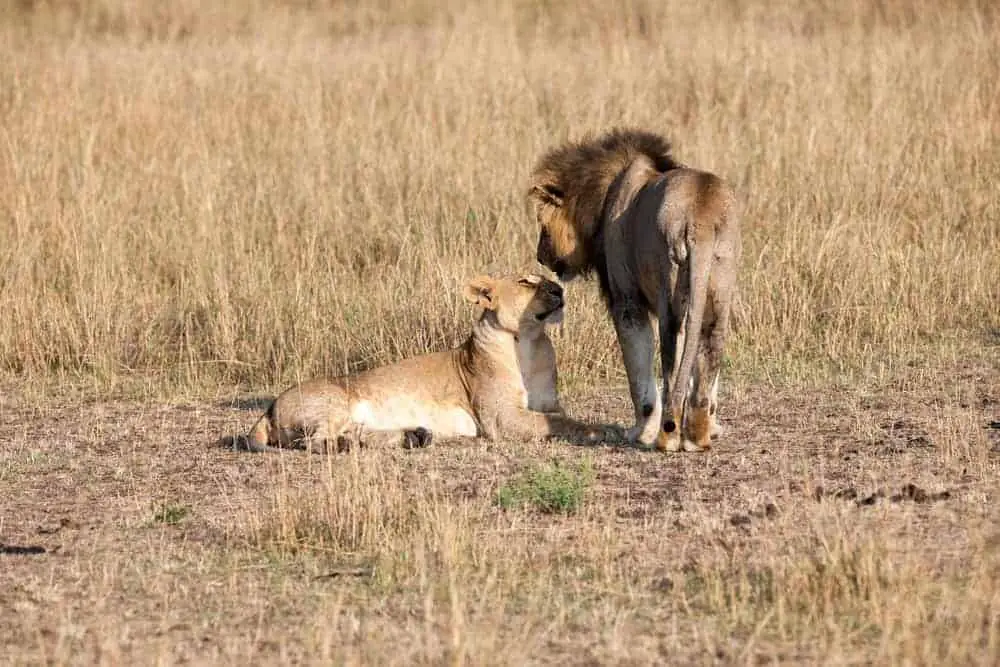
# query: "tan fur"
(664, 240)
(499, 382)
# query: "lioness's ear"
(480, 292)
(547, 194)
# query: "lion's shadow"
(611, 444)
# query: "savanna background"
(203, 202)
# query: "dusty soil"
(126, 536)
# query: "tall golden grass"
(240, 194)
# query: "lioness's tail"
(260, 436)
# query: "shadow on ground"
(249, 403)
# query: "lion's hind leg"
(699, 428)
(703, 402)
(715, 429)
(671, 342)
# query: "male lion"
(501, 381)
(664, 240)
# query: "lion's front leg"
(635, 336)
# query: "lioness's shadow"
(249, 403)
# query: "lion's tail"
(701, 254)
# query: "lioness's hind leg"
(417, 438)
(321, 445)
(346, 442)
(414, 438)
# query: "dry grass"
(799, 541)
(208, 207)
(220, 198)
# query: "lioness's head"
(519, 303)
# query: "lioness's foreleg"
(635, 337)
(529, 424)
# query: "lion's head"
(568, 189)
(520, 303)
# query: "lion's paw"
(669, 442)
(691, 446)
(641, 434)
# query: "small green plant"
(170, 514)
(554, 489)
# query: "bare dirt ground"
(824, 524)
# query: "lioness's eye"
(525, 282)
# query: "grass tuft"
(554, 488)
(170, 514)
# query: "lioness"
(501, 381)
(663, 239)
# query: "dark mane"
(579, 174)
(587, 167)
